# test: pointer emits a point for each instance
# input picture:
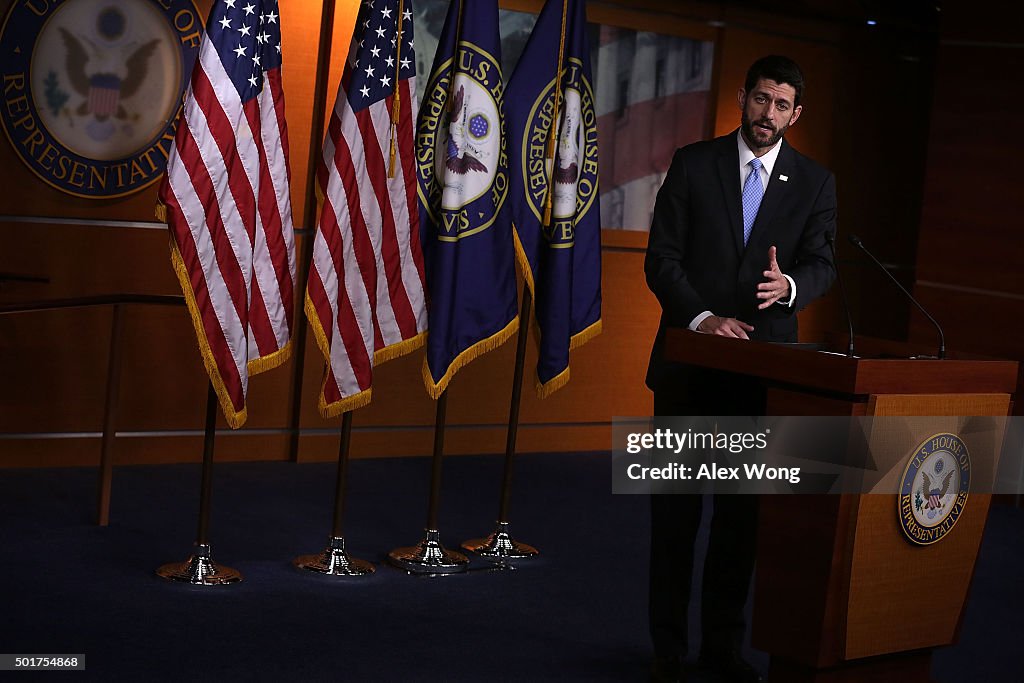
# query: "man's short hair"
(779, 69)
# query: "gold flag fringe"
(380, 356)
(399, 349)
(545, 389)
(318, 330)
(349, 403)
(270, 361)
(524, 263)
(466, 357)
(577, 340)
(235, 419)
(552, 385)
(586, 334)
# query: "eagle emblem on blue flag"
(461, 156)
(463, 182)
(461, 159)
(555, 206)
(574, 176)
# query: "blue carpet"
(576, 613)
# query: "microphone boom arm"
(942, 338)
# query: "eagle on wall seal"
(104, 89)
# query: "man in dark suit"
(737, 247)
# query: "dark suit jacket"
(696, 260)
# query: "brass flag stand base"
(429, 557)
(500, 546)
(199, 570)
(334, 561)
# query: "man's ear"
(741, 98)
(796, 114)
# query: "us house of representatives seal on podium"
(934, 488)
(92, 89)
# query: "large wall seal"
(92, 89)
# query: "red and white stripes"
(365, 294)
(229, 212)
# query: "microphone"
(830, 238)
(942, 338)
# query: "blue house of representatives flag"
(554, 202)
(462, 169)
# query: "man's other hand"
(725, 327)
(776, 286)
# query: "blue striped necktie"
(753, 191)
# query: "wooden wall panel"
(316, 445)
(971, 244)
(971, 226)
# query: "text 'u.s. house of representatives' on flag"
(462, 167)
(365, 296)
(552, 126)
(225, 199)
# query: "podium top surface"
(806, 366)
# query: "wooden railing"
(118, 301)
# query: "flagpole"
(429, 556)
(335, 561)
(500, 544)
(199, 569)
(455, 58)
(553, 132)
(323, 67)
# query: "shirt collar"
(767, 160)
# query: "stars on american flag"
(247, 49)
(378, 62)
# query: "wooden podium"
(840, 593)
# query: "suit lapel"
(776, 192)
(728, 174)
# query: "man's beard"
(749, 133)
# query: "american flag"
(365, 296)
(227, 202)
